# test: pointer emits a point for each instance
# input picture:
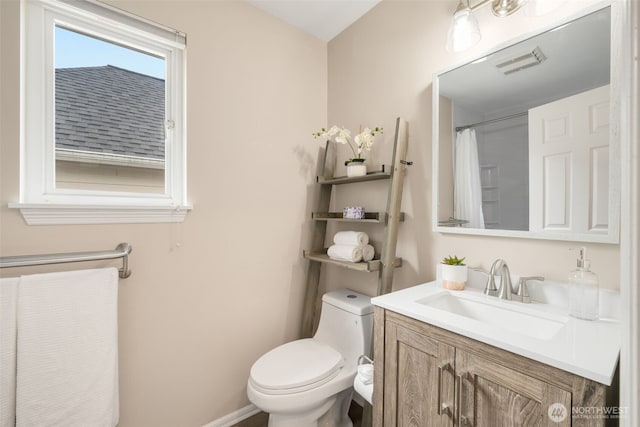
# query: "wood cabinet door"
(492, 395)
(418, 378)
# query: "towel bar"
(121, 251)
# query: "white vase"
(356, 169)
(454, 277)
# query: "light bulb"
(464, 31)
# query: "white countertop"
(586, 348)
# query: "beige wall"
(382, 67)
(209, 296)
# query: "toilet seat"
(296, 366)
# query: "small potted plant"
(362, 141)
(454, 273)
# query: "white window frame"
(40, 201)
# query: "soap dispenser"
(583, 283)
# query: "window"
(109, 119)
(103, 124)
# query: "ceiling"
(576, 59)
(323, 19)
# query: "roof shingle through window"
(110, 110)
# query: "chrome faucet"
(523, 291)
(506, 288)
(501, 268)
(490, 288)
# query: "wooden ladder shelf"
(388, 261)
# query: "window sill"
(45, 214)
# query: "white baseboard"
(234, 417)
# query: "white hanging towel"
(8, 303)
(68, 349)
(353, 238)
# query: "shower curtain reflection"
(468, 191)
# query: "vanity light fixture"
(464, 31)
(502, 8)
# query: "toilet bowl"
(309, 382)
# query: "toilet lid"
(296, 364)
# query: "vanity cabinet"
(432, 377)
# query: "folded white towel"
(68, 349)
(351, 253)
(8, 305)
(368, 252)
(355, 238)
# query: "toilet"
(309, 382)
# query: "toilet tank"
(346, 323)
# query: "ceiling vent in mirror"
(521, 62)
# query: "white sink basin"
(498, 314)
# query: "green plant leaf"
(453, 260)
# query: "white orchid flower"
(333, 131)
(363, 141)
(328, 134)
(343, 136)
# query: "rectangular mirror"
(525, 142)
